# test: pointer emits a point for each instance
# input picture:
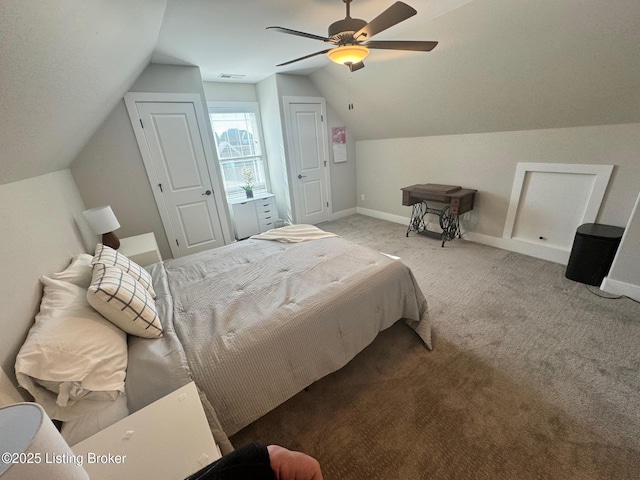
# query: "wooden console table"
(457, 201)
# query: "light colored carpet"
(531, 376)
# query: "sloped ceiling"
(231, 37)
(500, 65)
(64, 65)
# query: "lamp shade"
(101, 219)
(32, 447)
(348, 54)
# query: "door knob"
(301, 176)
(208, 192)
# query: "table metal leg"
(416, 223)
(449, 223)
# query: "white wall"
(230, 92)
(499, 66)
(64, 66)
(42, 228)
(487, 162)
(109, 169)
(624, 276)
(342, 175)
(8, 392)
(273, 129)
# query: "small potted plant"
(247, 173)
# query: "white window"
(237, 135)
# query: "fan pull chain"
(349, 79)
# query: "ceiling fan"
(351, 37)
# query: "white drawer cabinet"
(141, 249)
(266, 213)
(169, 439)
(245, 220)
(254, 215)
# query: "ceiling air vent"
(231, 75)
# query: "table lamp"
(32, 448)
(104, 222)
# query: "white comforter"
(261, 320)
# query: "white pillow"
(71, 353)
(124, 302)
(108, 256)
(78, 272)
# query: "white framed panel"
(548, 202)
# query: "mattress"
(255, 322)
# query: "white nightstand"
(169, 439)
(141, 249)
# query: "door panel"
(312, 194)
(174, 139)
(176, 150)
(196, 232)
(308, 141)
(310, 151)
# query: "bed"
(255, 322)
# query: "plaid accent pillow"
(124, 302)
(112, 258)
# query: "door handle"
(208, 192)
(301, 176)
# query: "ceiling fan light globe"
(348, 54)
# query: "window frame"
(241, 107)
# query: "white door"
(178, 172)
(308, 147)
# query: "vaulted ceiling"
(64, 65)
(231, 37)
(499, 65)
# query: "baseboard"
(538, 251)
(483, 239)
(343, 213)
(513, 245)
(617, 287)
(383, 216)
(534, 250)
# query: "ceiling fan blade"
(415, 46)
(304, 58)
(299, 34)
(355, 66)
(393, 15)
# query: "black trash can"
(594, 247)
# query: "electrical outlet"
(362, 197)
(467, 216)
